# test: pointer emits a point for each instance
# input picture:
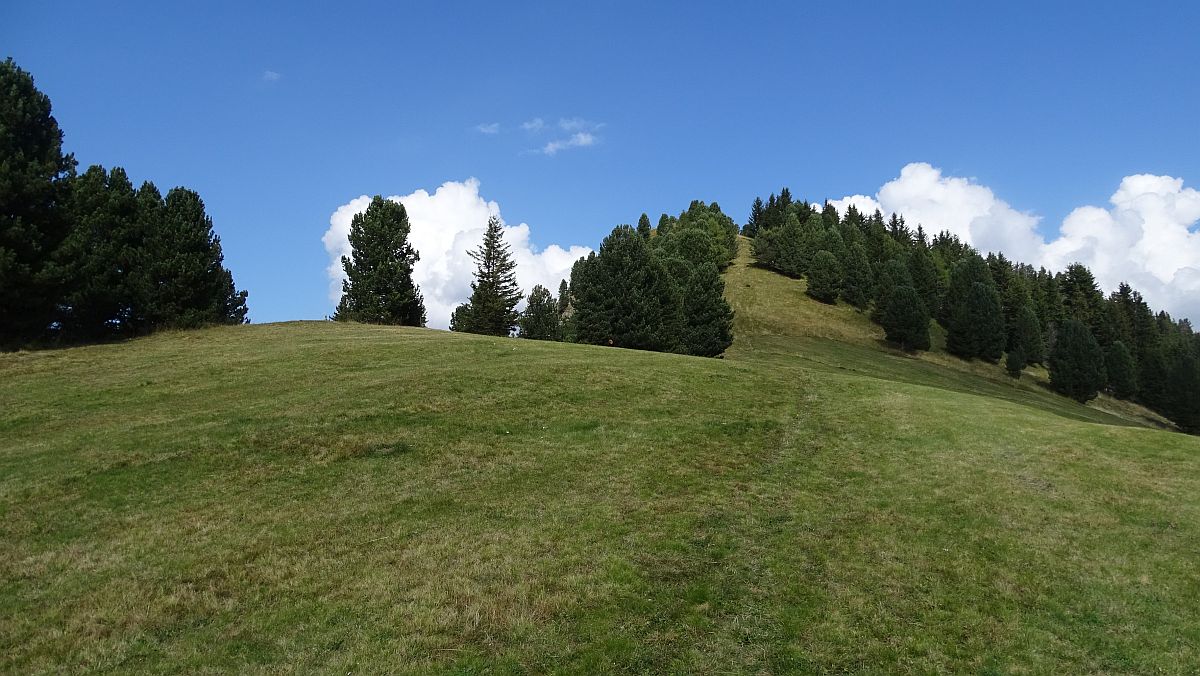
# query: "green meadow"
(326, 497)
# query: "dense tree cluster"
(87, 257)
(990, 307)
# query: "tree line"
(88, 257)
(989, 307)
(646, 288)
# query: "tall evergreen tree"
(643, 226)
(494, 293)
(1028, 337)
(190, 286)
(707, 317)
(625, 296)
(756, 216)
(892, 274)
(540, 320)
(1015, 362)
(379, 288)
(824, 277)
(857, 287)
(1077, 362)
(1122, 374)
(33, 181)
(977, 326)
(904, 319)
(923, 271)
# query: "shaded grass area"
(327, 497)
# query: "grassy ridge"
(318, 497)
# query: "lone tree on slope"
(379, 288)
(491, 310)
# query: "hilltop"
(319, 496)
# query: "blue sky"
(1050, 108)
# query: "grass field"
(321, 497)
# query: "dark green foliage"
(892, 274)
(824, 277)
(33, 176)
(1183, 389)
(1077, 362)
(709, 218)
(564, 297)
(1027, 336)
(694, 245)
(643, 226)
(857, 287)
(1122, 374)
(1015, 362)
(708, 319)
(491, 310)
(665, 225)
(751, 228)
(540, 320)
(977, 325)
(924, 274)
(378, 288)
(904, 319)
(624, 296)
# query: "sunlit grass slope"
(322, 497)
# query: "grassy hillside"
(326, 497)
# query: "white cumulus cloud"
(1147, 237)
(445, 226)
(488, 128)
(533, 125)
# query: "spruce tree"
(892, 274)
(824, 277)
(540, 320)
(379, 288)
(1027, 336)
(643, 227)
(33, 182)
(494, 293)
(624, 296)
(708, 319)
(103, 256)
(1015, 362)
(975, 326)
(857, 287)
(904, 319)
(1122, 376)
(924, 274)
(1077, 362)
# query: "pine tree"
(624, 296)
(103, 253)
(540, 320)
(1122, 378)
(857, 288)
(892, 274)
(379, 288)
(904, 319)
(643, 227)
(494, 293)
(1015, 362)
(1027, 336)
(756, 215)
(824, 277)
(923, 271)
(34, 174)
(708, 319)
(1077, 362)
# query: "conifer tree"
(540, 320)
(189, 284)
(625, 296)
(494, 293)
(33, 182)
(977, 326)
(904, 319)
(1015, 362)
(707, 317)
(857, 287)
(379, 288)
(1122, 378)
(643, 227)
(1077, 362)
(1027, 336)
(824, 277)
(892, 274)
(756, 216)
(564, 298)
(924, 274)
